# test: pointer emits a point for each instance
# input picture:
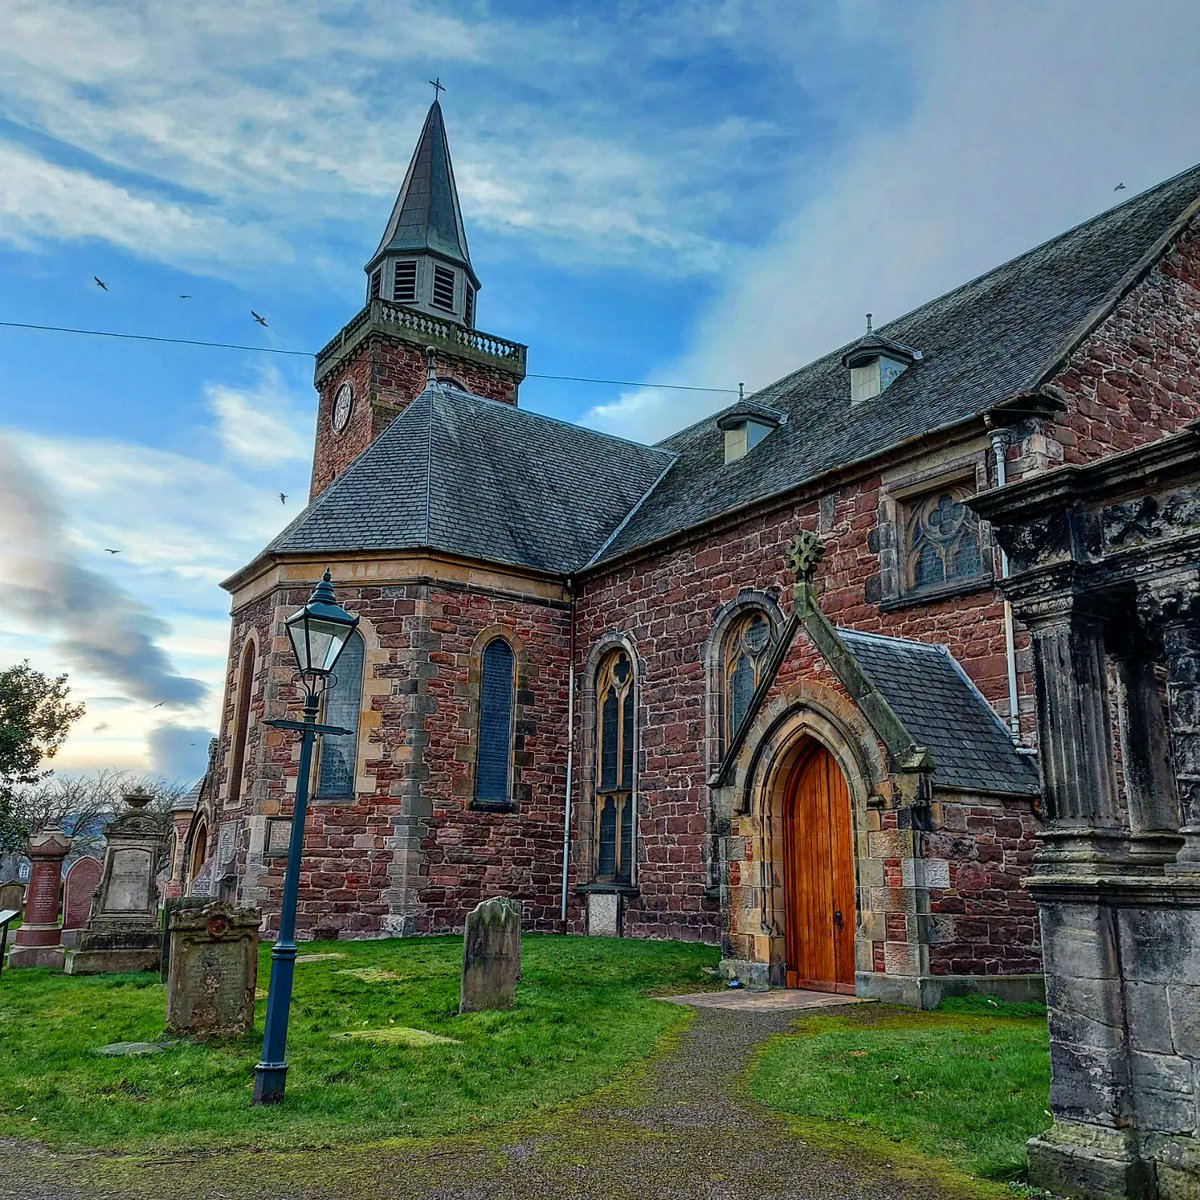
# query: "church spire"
(422, 261)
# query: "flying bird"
(183, 297)
(110, 550)
(283, 497)
(261, 320)
(1119, 188)
(100, 282)
(160, 704)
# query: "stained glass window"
(335, 771)
(616, 739)
(495, 723)
(942, 539)
(746, 647)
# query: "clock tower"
(419, 319)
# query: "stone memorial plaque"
(130, 873)
(83, 877)
(213, 972)
(279, 833)
(121, 933)
(202, 883)
(491, 955)
(226, 843)
(12, 895)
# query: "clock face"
(342, 403)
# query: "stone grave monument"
(1106, 577)
(38, 943)
(213, 972)
(121, 933)
(491, 955)
(79, 884)
(12, 896)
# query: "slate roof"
(426, 215)
(981, 344)
(942, 710)
(481, 479)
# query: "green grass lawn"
(966, 1086)
(580, 1018)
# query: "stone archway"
(754, 809)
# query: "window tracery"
(942, 540)
(616, 738)
(745, 657)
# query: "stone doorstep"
(777, 999)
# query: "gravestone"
(214, 970)
(121, 933)
(79, 885)
(491, 955)
(38, 943)
(171, 905)
(12, 896)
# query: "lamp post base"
(269, 1079)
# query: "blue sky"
(692, 192)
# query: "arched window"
(335, 772)
(241, 722)
(493, 755)
(746, 647)
(616, 738)
(943, 540)
(199, 850)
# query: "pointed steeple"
(422, 261)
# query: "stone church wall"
(1135, 378)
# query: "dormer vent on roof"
(745, 425)
(876, 361)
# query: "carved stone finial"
(803, 554)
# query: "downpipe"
(566, 843)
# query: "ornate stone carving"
(803, 555)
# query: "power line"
(174, 341)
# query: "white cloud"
(264, 424)
(1027, 117)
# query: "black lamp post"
(318, 633)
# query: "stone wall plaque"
(82, 879)
(213, 972)
(279, 834)
(491, 955)
(226, 844)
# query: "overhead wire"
(175, 341)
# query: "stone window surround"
(895, 498)
(712, 655)
(520, 685)
(585, 843)
(241, 721)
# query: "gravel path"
(683, 1131)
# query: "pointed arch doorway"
(819, 918)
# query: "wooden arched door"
(819, 877)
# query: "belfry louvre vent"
(443, 288)
(404, 285)
(376, 283)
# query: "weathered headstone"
(122, 930)
(214, 969)
(12, 896)
(79, 885)
(38, 942)
(171, 905)
(491, 955)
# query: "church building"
(756, 685)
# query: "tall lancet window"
(746, 647)
(241, 723)
(616, 739)
(335, 771)
(494, 753)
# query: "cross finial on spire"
(438, 87)
(868, 322)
